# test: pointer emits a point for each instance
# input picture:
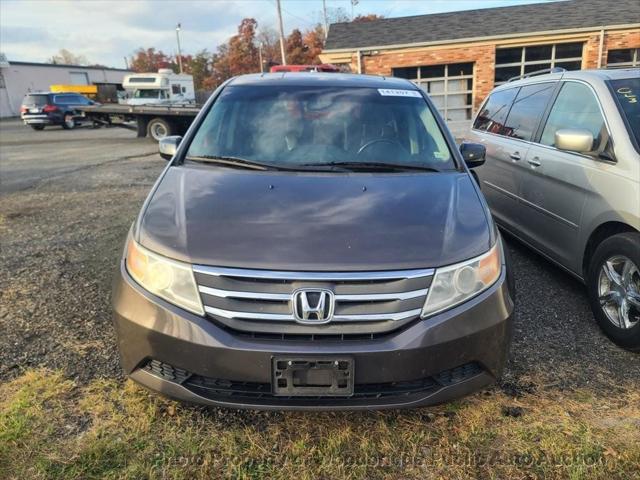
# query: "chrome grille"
(261, 301)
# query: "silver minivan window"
(527, 109)
(493, 113)
(575, 107)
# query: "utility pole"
(284, 59)
(324, 14)
(353, 4)
(260, 56)
(179, 52)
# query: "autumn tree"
(304, 48)
(198, 65)
(367, 18)
(238, 56)
(313, 40)
(150, 60)
(221, 68)
(295, 48)
(269, 41)
(242, 52)
(65, 57)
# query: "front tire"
(613, 283)
(37, 127)
(68, 122)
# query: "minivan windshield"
(627, 93)
(311, 126)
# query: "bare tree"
(65, 57)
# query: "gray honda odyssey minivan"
(315, 242)
(562, 174)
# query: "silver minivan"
(562, 174)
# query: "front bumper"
(191, 358)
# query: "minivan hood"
(226, 217)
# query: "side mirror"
(574, 139)
(168, 146)
(473, 154)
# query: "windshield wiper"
(234, 161)
(374, 166)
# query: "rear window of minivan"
(35, 100)
(627, 95)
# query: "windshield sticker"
(628, 94)
(389, 92)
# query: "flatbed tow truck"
(156, 121)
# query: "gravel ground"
(67, 200)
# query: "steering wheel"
(380, 140)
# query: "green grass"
(51, 428)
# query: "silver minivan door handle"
(515, 156)
(534, 162)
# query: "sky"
(107, 31)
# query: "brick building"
(459, 57)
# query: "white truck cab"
(164, 87)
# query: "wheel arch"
(599, 234)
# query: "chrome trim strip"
(549, 214)
(317, 276)
(339, 298)
(289, 317)
(533, 205)
(381, 296)
(500, 190)
(247, 315)
(236, 294)
(377, 316)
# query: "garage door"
(79, 78)
(450, 88)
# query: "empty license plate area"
(313, 376)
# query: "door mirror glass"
(473, 154)
(574, 139)
(168, 146)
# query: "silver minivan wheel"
(619, 291)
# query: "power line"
(305, 20)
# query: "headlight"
(166, 278)
(454, 284)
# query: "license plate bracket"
(312, 376)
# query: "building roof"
(321, 79)
(486, 22)
(63, 65)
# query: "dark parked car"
(41, 109)
(316, 241)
